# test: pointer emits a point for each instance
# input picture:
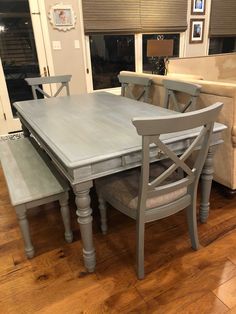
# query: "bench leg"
(206, 181)
(65, 213)
(24, 226)
(103, 213)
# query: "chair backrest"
(36, 82)
(128, 83)
(173, 87)
(153, 131)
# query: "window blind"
(163, 15)
(223, 18)
(111, 16)
(134, 16)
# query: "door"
(22, 53)
(3, 128)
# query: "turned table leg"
(206, 182)
(26, 132)
(84, 212)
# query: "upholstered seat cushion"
(123, 188)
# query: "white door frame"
(5, 107)
(3, 123)
(86, 51)
(89, 74)
(44, 54)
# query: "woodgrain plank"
(232, 256)
(232, 311)
(207, 304)
(179, 280)
(182, 294)
(227, 292)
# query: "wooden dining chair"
(156, 191)
(37, 82)
(142, 89)
(173, 87)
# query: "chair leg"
(24, 226)
(140, 249)
(192, 225)
(103, 214)
(65, 213)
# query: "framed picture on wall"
(196, 31)
(62, 17)
(198, 7)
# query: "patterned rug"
(13, 136)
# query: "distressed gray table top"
(88, 128)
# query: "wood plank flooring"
(178, 280)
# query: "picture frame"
(196, 31)
(62, 17)
(198, 7)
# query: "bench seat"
(31, 183)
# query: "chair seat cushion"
(123, 187)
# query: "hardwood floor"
(178, 280)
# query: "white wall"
(69, 60)
(201, 49)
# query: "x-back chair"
(153, 193)
(36, 82)
(173, 87)
(128, 82)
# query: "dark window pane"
(222, 45)
(110, 54)
(147, 65)
(17, 49)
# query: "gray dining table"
(91, 135)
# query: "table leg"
(84, 212)
(206, 182)
(26, 132)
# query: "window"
(222, 45)
(110, 54)
(147, 66)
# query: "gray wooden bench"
(32, 183)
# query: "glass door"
(22, 54)
(3, 124)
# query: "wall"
(72, 60)
(69, 60)
(199, 49)
(214, 67)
